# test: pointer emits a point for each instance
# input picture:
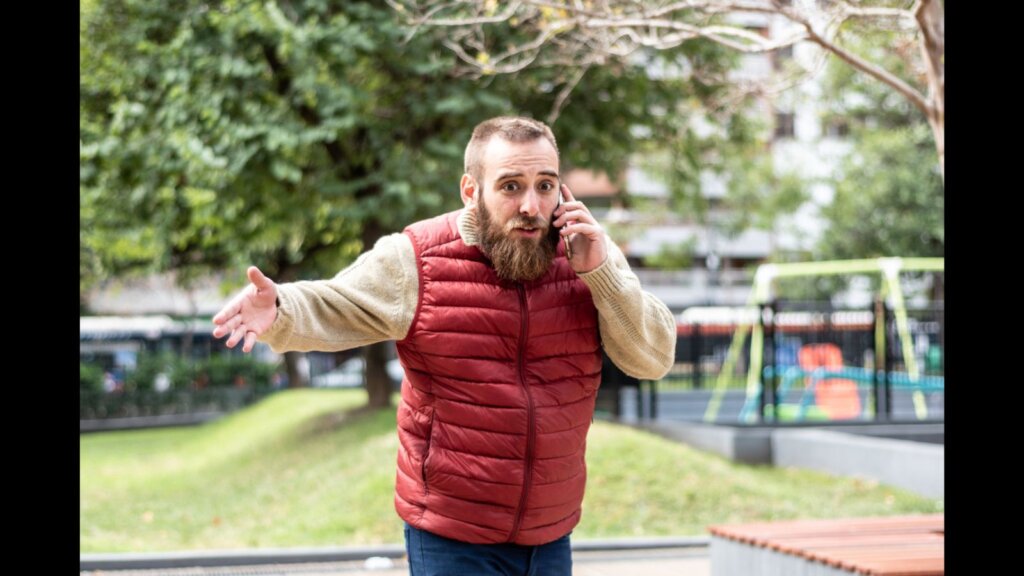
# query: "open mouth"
(527, 230)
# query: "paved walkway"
(663, 562)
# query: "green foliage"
(242, 133)
(889, 198)
(237, 370)
(221, 383)
(673, 256)
(818, 289)
(147, 367)
(288, 135)
(220, 370)
(90, 378)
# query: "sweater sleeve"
(372, 300)
(637, 329)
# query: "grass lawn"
(309, 468)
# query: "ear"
(468, 189)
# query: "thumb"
(258, 279)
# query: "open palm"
(250, 313)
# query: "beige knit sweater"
(375, 298)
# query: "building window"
(784, 125)
(782, 55)
(837, 128)
(759, 30)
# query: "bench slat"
(886, 546)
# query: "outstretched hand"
(250, 313)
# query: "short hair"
(510, 128)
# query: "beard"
(517, 259)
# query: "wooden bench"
(888, 546)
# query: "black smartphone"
(568, 245)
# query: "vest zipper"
(426, 454)
(530, 427)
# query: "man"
(499, 330)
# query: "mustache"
(521, 221)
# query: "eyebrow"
(507, 175)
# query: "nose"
(530, 204)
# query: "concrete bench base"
(729, 558)
(879, 451)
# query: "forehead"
(527, 158)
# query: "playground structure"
(831, 389)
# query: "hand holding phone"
(587, 236)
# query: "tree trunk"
(938, 287)
(932, 21)
(375, 356)
(298, 369)
(378, 383)
(939, 133)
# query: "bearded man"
(500, 311)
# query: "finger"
(220, 331)
(577, 213)
(236, 336)
(591, 231)
(569, 206)
(229, 310)
(228, 326)
(567, 194)
(250, 341)
(576, 205)
(574, 216)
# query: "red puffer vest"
(498, 395)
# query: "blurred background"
(774, 174)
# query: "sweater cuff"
(281, 330)
(606, 281)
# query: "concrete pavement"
(680, 561)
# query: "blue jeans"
(433, 555)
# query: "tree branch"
(563, 95)
(871, 69)
(590, 31)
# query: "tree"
(889, 197)
(888, 201)
(589, 32)
(292, 135)
(756, 192)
